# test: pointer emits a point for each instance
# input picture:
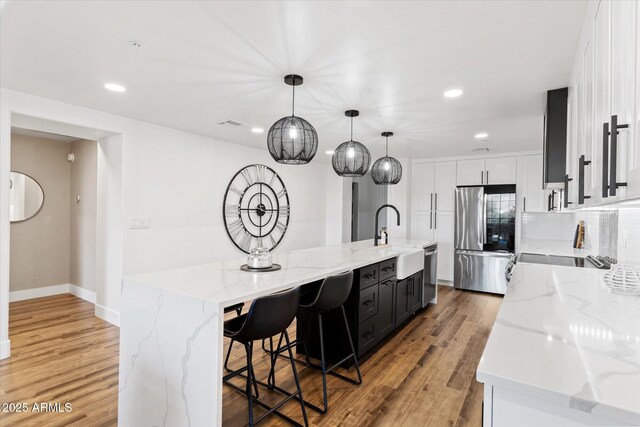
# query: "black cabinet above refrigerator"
(555, 139)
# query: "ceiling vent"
(230, 123)
(477, 150)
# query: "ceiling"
(205, 62)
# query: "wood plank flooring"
(424, 375)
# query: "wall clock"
(256, 208)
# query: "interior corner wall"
(82, 207)
(174, 178)
(40, 246)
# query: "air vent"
(230, 123)
(476, 150)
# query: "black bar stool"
(333, 293)
(267, 316)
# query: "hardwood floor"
(423, 375)
(60, 353)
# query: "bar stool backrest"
(270, 315)
(334, 291)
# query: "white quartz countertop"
(560, 335)
(224, 283)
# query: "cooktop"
(568, 261)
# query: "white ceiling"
(206, 62)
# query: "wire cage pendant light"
(351, 158)
(386, 170)
(292, 140)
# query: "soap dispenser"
(384, 236)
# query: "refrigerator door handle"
(484, 219)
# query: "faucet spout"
(376, 236)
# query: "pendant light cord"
(293, 101)
(386, 149)
(351, 128)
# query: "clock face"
(256, 208)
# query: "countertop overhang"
(561, 336)
(225, 284)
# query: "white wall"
(175, 178)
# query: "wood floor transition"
(424, 375)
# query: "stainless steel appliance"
(429, 281)
(484, 237)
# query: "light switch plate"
(139, 223)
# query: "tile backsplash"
(613, 232)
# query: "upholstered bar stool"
(268, 316)
(331, 295)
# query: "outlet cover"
(139, 223)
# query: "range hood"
(555, 139)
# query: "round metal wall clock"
(256, 208)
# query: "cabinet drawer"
(367, 336)
(368, 303)
(388, 269)
(368, 276)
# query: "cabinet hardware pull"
(385, 269)
(566, 191)
(435, 220)
(431, 207)
(524, 204)
(487, 176)
(369, 276)
(436, 201)
(430, 220)
(582, 163)
(614, 156)
(605, 160)
(481, 177)
(371, 301)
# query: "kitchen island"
(171, 333)
(563, 351)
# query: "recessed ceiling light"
(257, 130)
(453, 93)
(115, 87)
(329, 152)
(481, 135)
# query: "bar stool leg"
(353, 350)
(249, 349)
(324, 367)
(226, 359)
(295, 377)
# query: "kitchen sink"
(410, 261)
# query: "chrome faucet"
(376, 236)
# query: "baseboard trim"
(108, 315)
(5, 349)
(83, 293)
(45, 291)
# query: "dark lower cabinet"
(402, 298)
(378, 303)
(408, 297)
(386, 308)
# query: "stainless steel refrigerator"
(484, 237)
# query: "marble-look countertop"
(552, 247)
(560, 335)
(225, 284)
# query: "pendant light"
(351, 158)
(292, 140)
(386, 170)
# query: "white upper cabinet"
(623, 81)
(500, 170)
(445, 186)
(470, 172)
(604, 163)
(422, 186)
(531, 194)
